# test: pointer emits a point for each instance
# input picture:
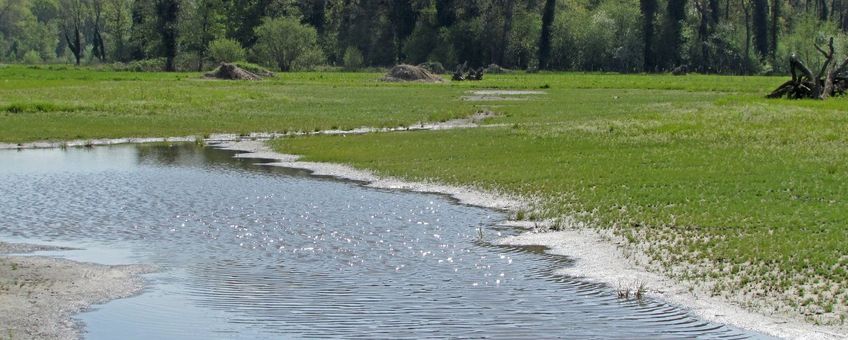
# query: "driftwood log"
(832, 79)
(463, 72)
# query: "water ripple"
(256, 252)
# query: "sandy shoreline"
(39, 295)
(598, 256)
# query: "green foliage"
(523, 39)
(424, 38)
(32, 57)
(807, 31)
(353, 59)
(309, 60)
(587, 35)
(281, 41)
(226, 50)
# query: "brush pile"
(404, 72)
(232, 72)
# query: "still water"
(250, 251)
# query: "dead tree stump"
(831, 80)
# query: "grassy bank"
(713, 182)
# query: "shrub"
(226, 51)
(353, 59)
(281, 41)
(31, 58)
(309, 60)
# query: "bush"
(32, 58)
(281, 41)
(226, 51)
(353, 59)
(309, 60)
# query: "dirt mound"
(405, 72)
(232, 72)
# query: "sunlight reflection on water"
(258, 252)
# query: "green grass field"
(712, 181)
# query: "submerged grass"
(713, 182)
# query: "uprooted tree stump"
(830, 81)
(463, 72)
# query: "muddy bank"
(39, 295)
(599, 256)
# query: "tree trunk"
(509, 6)
(775, 20)
(747, 11)
(74, 44)
(761, 30)
(545, 37)
(649, 10)
(168, 13)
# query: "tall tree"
(445, 12)
(704, 31)
(775, 26)
(96, 23)
(761, 29)
(202, 23)
(167, 14)
(72, 26)
(117, 27)
(545, 39)
(243, 18)
(823, 10)
(649, 12)
(314, 13)
(402, 18)
(670, 48)
(714, 12)
(508, 8)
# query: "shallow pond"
(249, 251)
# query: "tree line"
(709, 36)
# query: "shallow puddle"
(251, 251)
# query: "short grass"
(38, 104)
(713, 182)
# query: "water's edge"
(57, 289)
(597, 254)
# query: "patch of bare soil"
(39, 295)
